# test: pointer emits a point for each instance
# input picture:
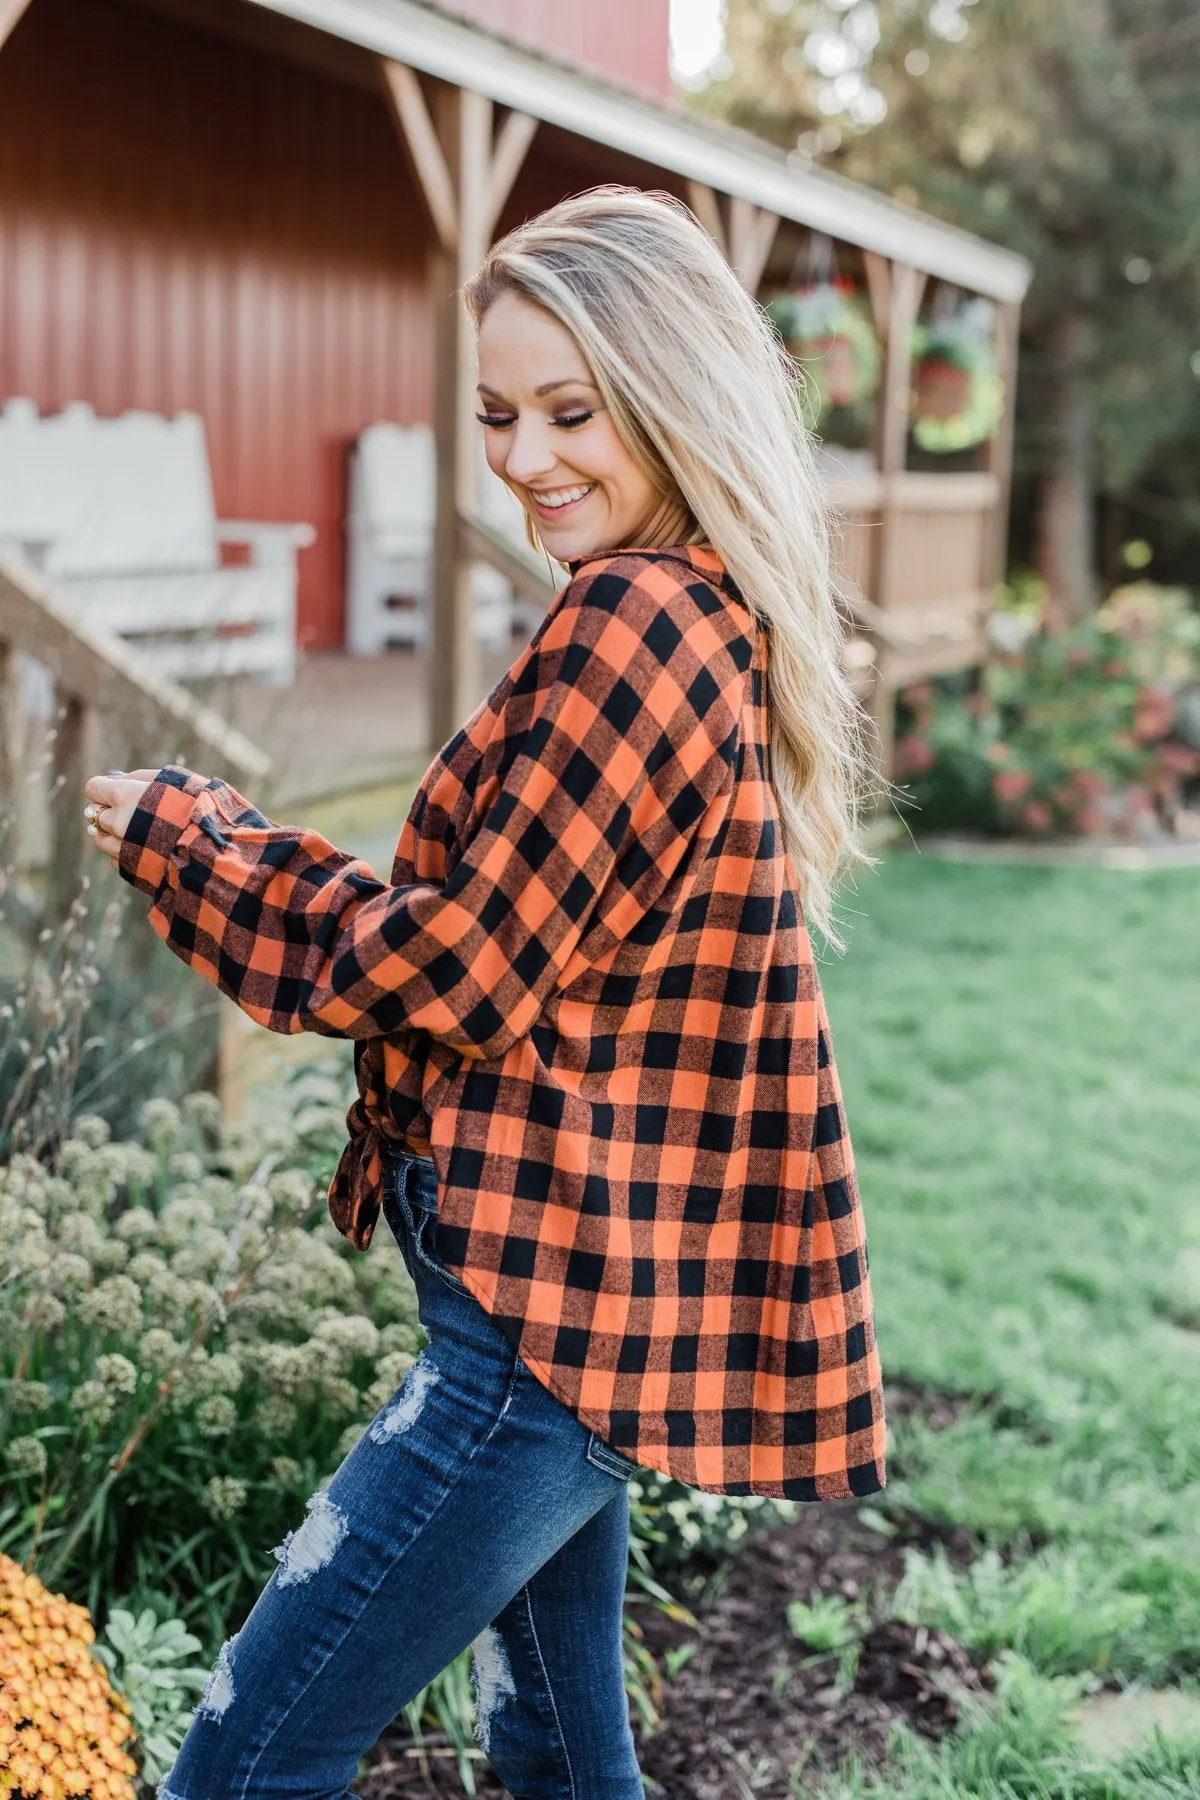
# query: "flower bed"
(1092, 731)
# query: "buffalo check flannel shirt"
(589, 994)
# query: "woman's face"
(548, 436)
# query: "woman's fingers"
(112, 801)
(110, 845)
(102, 789)
(107, 790)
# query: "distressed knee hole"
(217, 1697)
(312, 1546)
(493, 1681)
(404, 1412)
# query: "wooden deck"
(347, 722)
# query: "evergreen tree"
(1066, 129)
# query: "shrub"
(63, 1731)
(88, 1022)
(182, 1358)
(1079, 732)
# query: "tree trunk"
(1065, 547)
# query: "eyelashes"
(505, 421)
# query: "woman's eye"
(572, 421)
(498, 421)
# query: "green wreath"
(961, 345)
(830, 333)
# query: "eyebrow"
(547, 387)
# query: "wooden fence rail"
(109, 711)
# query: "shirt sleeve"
(617, 738)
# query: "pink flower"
(1036, 815)
(1179, 759)
(1011, 785)
(1078, 657)
(914, 756)
(1089, 783)
(1090, 820)
(1154, 716)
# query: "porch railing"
(105, 710)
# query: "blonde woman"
(597, 1102)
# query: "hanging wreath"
(829, 331)
(958, 396)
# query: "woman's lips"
(563, 507)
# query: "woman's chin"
(567, 545)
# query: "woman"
(596, 1100)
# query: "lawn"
(1020, 1051)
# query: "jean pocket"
(603, 1456)
(424, 1247)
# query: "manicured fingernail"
(114, 771)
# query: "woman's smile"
(558, 501)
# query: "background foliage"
(1066, 132)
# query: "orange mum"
(63, 1729)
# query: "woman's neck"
(671, 523)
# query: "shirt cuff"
(161, 815)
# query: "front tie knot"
(356, 1191)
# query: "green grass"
(1020, 1052)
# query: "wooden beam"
(76, 755)
(12, 775)
(512, 146)
(751, 234)
(998, 454)
(905, 288)
(426, 153)
(707, 208)
(760, 238)
(474, 236)
(10, 15)
(879, 290)
(464, 124)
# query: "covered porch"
(460, 134)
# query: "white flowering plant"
(186, 1350)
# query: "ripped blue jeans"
(476, 1509)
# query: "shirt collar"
(705, 560)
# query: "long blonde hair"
(704, 397)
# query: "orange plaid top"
(589, 994)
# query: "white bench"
(389, 544)
(118, 514)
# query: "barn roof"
(700, 149)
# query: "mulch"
(754, 1712)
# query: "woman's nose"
(530, 453)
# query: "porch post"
(998, 454)
(464, 122)
(895, 291)
(12, 774)
(465, 182)
(10, 14)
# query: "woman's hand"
(112, 801)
